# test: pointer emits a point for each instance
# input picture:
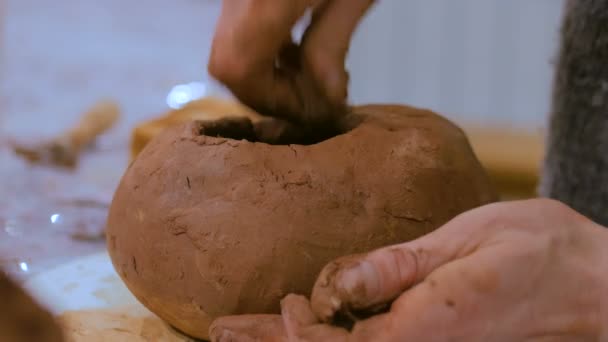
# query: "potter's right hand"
(254, 56)
(522, 271)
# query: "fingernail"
(360, 282)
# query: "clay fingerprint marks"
(176, 221)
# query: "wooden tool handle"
(94, 122)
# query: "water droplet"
(55, 218)
(181, 94)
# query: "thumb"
(366, 281)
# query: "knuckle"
(494, 216)
(518, 214)
(406, 264)
(226, 68)
(550, 209)
(550, 205)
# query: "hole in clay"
(274, 131)
(231, 128)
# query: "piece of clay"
(204, 225)
(22, 319)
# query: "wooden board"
(513, 158)
(93, 305)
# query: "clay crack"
(178, 232)
(303, 181)
(405, 217)
(135, 265)
(155, 171)
(296, 183)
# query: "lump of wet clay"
(22, 319)
(211, 219)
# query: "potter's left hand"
(521, 271)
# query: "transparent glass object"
(59, 58)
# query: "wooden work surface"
(512, 158)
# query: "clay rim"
(243, 130)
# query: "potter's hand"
(522, 271)
(254, 56)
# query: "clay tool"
(64, 150)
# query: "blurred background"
(480, 61)
(486, 64)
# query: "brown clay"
(22, 319)
(204, 226)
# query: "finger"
(301, 325)
(392, 326)
(248, 40)
(250, 33)
(248, 328)
(377, 328)
(297, 97)
(364, 281)
(323, 333)
(423, 314)
(297, 314)
(453, 301)
(326, 43)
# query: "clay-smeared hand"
(521, 271)
(253, 55)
